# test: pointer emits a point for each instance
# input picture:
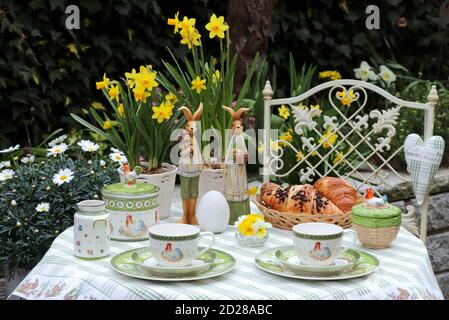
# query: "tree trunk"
(250, 30)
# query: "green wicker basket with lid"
(377, 223)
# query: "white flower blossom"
(117, 157)
(63, 176)
(88, 146)
(10, 149)
(364, 72)
(6, 174)
(5, 164)
(102, 163)
(387, 75)
(13, 203)
(57, 149)
(28, 159)
(58, 140)
(43, 207)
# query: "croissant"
(323, 198)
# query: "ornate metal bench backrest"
(373, 132)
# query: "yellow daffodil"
(190, 38)
(163, 112)
(107, 124)
(261, 232)
(339, 158)
(315, 107)
(284, 112)
(252, 217)
(329, 74)
(246, 228)
(328, 139)
(216, 77)
(171, 98)
(287, 136)
(146, 78)
(302, 106)
(186, 24)
(104, 83)
(346, 99)
(174, 22)
(273, 146)
(114, 92)
(252, 191)
(97, 105)
(299, 156)
(131, 78)
(169, 108)
(140, 94)
(198, 84)
(216, 27)
(121, 110)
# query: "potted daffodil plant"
(139, 124)
(208, 80)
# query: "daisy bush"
(38, 196)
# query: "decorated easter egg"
(213, 212)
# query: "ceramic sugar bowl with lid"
(376, 222)
(91, 230)
(133, 209)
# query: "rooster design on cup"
(319, 253)
(132, 227)
(171, 255)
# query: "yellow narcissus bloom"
(163, 112)
(339, 158)
(174, 22)
(104, 83)
(216, 27)
(252, 191)
(346, 99)
(121, 110)
(328, 139)
(171, 98)
(198, 84)
(330, 74)
(186, 24)
(97, 105)
(299, 156)
(315, 107)
(146, 78)
(107, 124)
(131, 78)
(273, 146)
(140, 94)
(114, 92)
(261, 232)
(216, 77)
(190, 38)
(284, 112)
(287, 136)
(246, 228)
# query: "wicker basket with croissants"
(328, 200)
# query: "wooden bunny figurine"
(190, 165)
(236, 183)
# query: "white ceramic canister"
(132, 209)
(91, 230)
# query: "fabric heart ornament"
(423, 160)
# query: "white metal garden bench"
(359, 125)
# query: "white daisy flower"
(28, 159)
(10, 149)
(5, 164)
(387, 75)
(58, 140)
(88, 146)
(57, 149)
(6, 174)
(117, 157)
(43, 207)
(365, 73)
(63, 176)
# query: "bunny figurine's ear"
(231, 112)
(239, 113)
(198, 112)
(187, 113)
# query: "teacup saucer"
(345, 262)
(145, 261)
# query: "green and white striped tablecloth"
(405, 273)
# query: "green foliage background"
(42, 80)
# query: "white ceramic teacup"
(318, 243)
(176, 245)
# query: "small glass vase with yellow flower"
(251, 230)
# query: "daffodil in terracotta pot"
(138, 125)
(208, 80)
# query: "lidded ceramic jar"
(376, 226)
(132, 209)
(91, 230)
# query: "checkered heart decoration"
(423, 160)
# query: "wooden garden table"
(405, 273)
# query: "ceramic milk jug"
(91, 230)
